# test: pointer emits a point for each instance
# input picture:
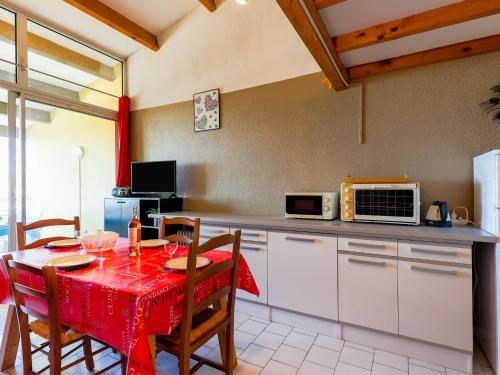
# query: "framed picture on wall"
(206, 110)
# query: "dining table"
(123, 301)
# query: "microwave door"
(304, 205)
(388, 205)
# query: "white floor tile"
(260, 320)
(357, 357)
(207, 370)
(390, 359)
(359, 346)
(347, 369)
(329, 342)
(253, 327)
(203, 351)
(212, 343)
(299, 340)
(305, 331)
(290, 355)
(245, 368)
(428, 365)
(323, 356)
(379, 369)
(257, 355)
(417, 370)
(240, 317)
(279, 329)
(277, 368)
(242, 339)
(269, 340)
(310, 368)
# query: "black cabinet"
(118, 212)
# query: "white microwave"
(316, 205)
(397, 203)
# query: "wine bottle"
(134, 234)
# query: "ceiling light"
(243, 2)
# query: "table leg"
(152, 346)
(10, 340)
(222, 337)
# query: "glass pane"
(7, 45)
(64, 67)
(58, 183)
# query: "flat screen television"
(154, 177)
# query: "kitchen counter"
(457, 234)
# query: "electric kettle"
(438, 215)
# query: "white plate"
(153, 243)
(70, 242)
(72, 261)
(181, 263)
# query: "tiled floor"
(270, 348)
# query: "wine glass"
(78, 235)
(171, 249)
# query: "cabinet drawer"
(435, 303)
(437, 252)
(213, 230)
(258, 235)
(368, 245)
(368, 294)
(303, 273)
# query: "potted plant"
(492, 105)
(153, 211)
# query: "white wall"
(233, 48)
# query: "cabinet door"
(113, 215)
(303, 273)
(435, 303)
(368, 292)
(256, 258)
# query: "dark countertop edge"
(336, 227)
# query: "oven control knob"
(326, 200)
(346, 206)
(326, 209)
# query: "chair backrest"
(180, 238)
(193, 279)
(47, 294)
(22, 229)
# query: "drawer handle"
(214, 231)
(366, 245)
(299, 239)
(432, 252)
(433, 270)
(368, 262)
(254, 248)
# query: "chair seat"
(202, 324)
(41, 328)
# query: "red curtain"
(122, 152)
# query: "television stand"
(118, 212)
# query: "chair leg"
(184, 365)
(87, 352)
(123, 364)
(55, 359)
(228, 359)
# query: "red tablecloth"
(127, 299)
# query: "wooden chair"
(47, 325)
(201, 322)
(22, 229)
(180, 238)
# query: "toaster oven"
(397, 203)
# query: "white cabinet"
(255, 235)
(213, 230)
(256, 258)
(435, 303)
(436, 252)
(368, 292)
(369, 245)
(303, 273)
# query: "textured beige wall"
(295, 135)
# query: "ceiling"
(352, 15)
(153, 15)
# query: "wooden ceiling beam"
(209, 4)
(118, 22)
(320, 4)
(452, 14)
(431, 56)
(315, 36)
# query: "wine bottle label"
(132, 235)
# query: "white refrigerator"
(487, 256)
